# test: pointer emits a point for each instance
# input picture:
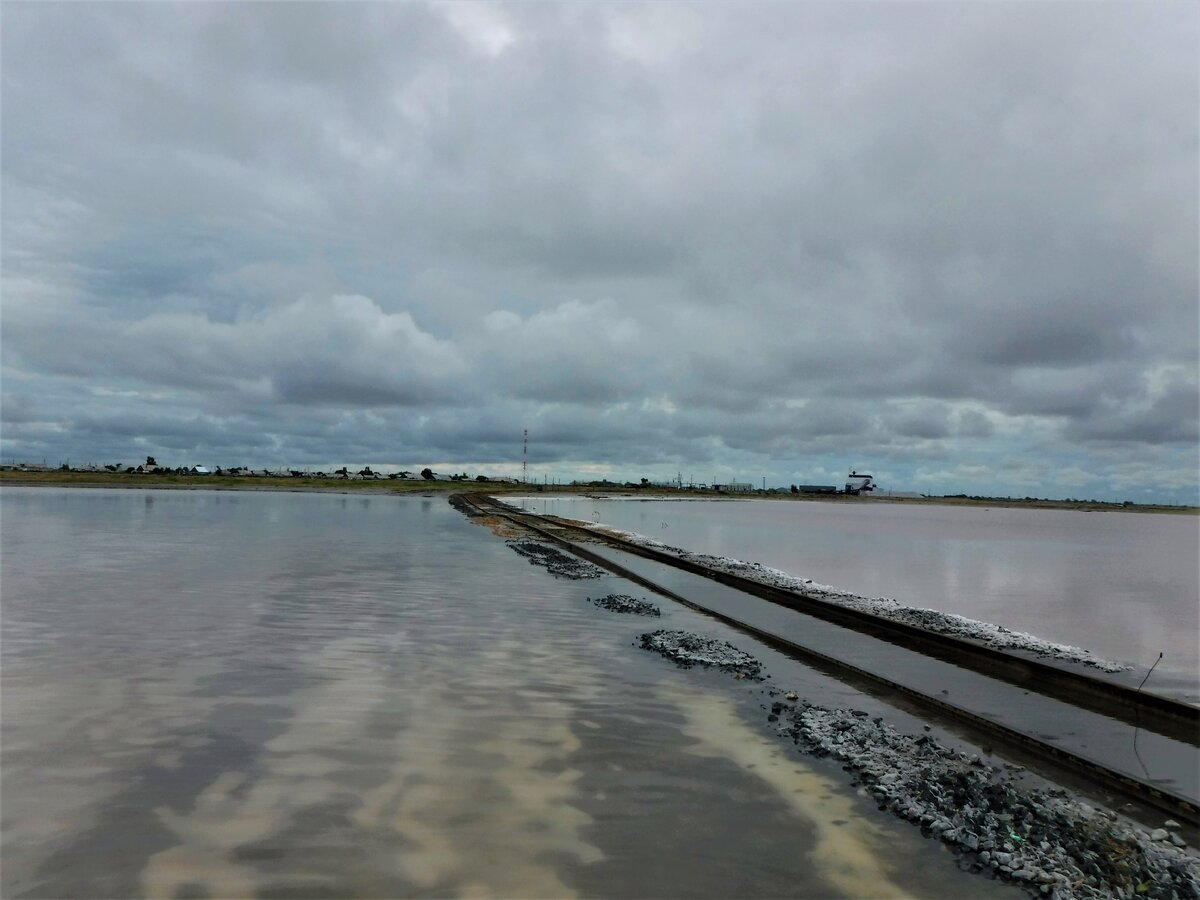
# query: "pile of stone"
(687, 650)
(623, 603)
(1040, 839)
(1052, 845)
(554, 560)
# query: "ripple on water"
(365, 700)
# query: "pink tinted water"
(1123, 585)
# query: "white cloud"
(482, 24)
(784, 236)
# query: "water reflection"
(847, 851)
(337, 704)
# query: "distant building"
(857, 483)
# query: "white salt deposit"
(885, 607)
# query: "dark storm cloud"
(1170, 416)
(778, 237)
(16, 408)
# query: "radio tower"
(525, 458)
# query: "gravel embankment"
(1052, 845)
(623, 603)
(554, 560)
(1043, 840)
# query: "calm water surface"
(253, 694)
(1123, 585)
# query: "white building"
(857, 483)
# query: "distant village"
(151, 467)
(856, 483)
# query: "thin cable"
(1156, 662)
(1137, 721)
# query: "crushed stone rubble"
(623, 603)
(1051, 844)
(554, 560)
(686, 650)
(1043, 840)
(996, 636)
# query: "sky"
(951, 244)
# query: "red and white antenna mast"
(525, 458)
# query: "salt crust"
(885, 607)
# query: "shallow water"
(1123, 585)
(253, 694)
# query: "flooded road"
(1123, 585)
(256, 694)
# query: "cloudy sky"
(952, 244)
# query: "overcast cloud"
(953, 244)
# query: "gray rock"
(689, 650)
(1051, 840)
(554, 560)
(623, 603)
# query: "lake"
(306, 694)
(1123, 585)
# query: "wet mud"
(498, 525)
